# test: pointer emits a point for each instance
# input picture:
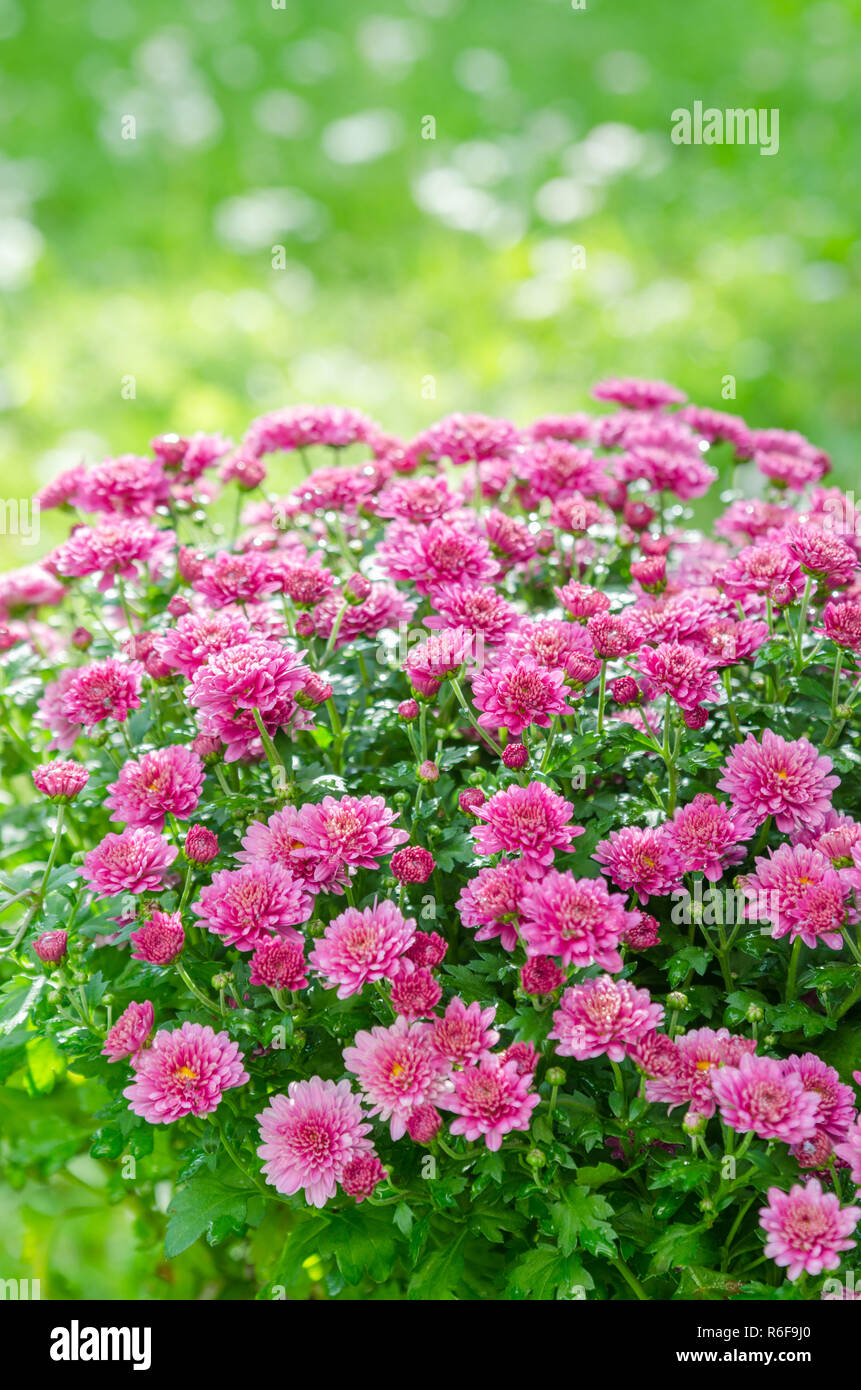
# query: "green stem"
(190, 985)
(483, 733)
(602, 685)
(793, 970)
(630, 1279)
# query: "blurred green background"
(418, 276)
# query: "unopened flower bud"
(536, 1158)
(515, 755)
(555, 1076)
(408, 710)
(753, 1013)
(51, 946)
(676, 1000)
(82, 638)
(428, 772)
(356, 589)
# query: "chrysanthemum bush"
(448, 868)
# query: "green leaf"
(438, 1275)
(598, 1175)
(19, 999)
(202, 1200)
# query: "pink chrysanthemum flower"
(184, 1072)
(353, 832)
(198, 636)
(414, 864)
(415, 993)
(541, 975)
(760, 1094)
(582, 601)
(361, 946)
(603, 1015)
(549, 643)
(51, 946)
(532, 821)
(436, 554)
(637, 393)
(726, 641)
(841, 621)
(245, 905)
(201, 846)
(644, 934)
(398, 1070)
(103, 690)
(130, 1032)
(115, 550)
(707, 835)
(61, 781)
(576, 919)
(850, 1149)
(465, 438)
(678, 670)
(517, 694)
(614, 634)
(780, 883)
(384, 608)
(808, 1230)
(132, 862)
(762, 569)
(464, 1033)
(160, 940)
(644, 859)
(424, 1124)
(129, 485)
(167, 781)
(682, 1070)
(794, 471)
(229, 577)
(424, 498)
(306, 585)
(491, 902)
(556, 469)
(431, 662)
(820, 554)
(297, 426)
(511, 541)
(279, 964)
(310, 1136)
(477, 607)
(428, 948)
(820, 914)
(280, 840)
(261, 675)
(789, 781)
(490, 1099)
(668, 469)
(361, 1176)
(836, 1100)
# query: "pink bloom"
(132, 862)
(760, 1094)
(464, 1033)
(435, 554)
(29, 587)
(103, 690)
(361, 1176)
(706, 835)
(51, 946)
(412, 864)
(683, 1070)
(424, 1124)
(549, 643)
(603, 1015)
(415, 993)
(490, 1099)
(637, 393)
(130, 1032)
(491, 902)
(642, 859)
(775, 778)
(197, 636)
(532, 821)
(725, 641)
(115, 550)
(576, 919)
(167, 781)
(244, 905)
(430, 662)
(511, 541)
(786, 469)
(820, 554)
(477, 607)
(842, 623)
(781, 881)
(524, 1057)
(668, 469)
(644, 933)
(425, 497)
(678, 670)
(160, 940)
(518, 694)
(362, 946)
(201, 846)
(261, 675)
(581, 601)
(613, 634)
(280, 840)
(235, 578)
(557, 469)
(428, 948)
(297, 426)
(306, 585)
(385, 607)
(836, 1101)
(125, 486)
(310, 1136)
(763, 569)
(279, 964)
(465, 438)
(398, 1071)
(541, 975)
(807, 1229)
(61, 781)
(185, 1072)
(353, 832)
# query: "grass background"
(421, 276)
